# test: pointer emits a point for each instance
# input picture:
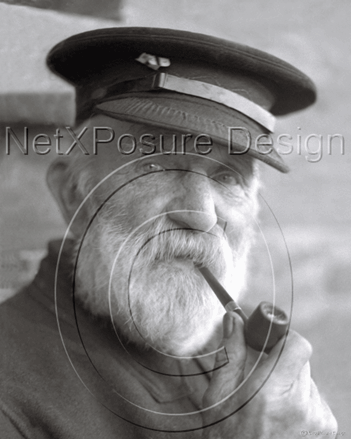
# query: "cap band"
(192, 87)
(217, 94)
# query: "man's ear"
(65, 192)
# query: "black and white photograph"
(175, 219)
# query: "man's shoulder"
(41, 395)
(33, 307)
(29, 337)
(27, 328)
(21, 312)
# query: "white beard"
(157, 297)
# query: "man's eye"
(151, 167)
(226, 178)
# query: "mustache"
(164, 241)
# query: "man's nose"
(192, 205)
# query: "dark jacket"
(65, 374)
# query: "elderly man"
(119, 335)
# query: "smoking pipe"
(266, 325)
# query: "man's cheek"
(143, 206)
(234, 233)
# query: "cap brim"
(236, 134)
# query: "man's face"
(156, 217)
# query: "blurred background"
(306, 215)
